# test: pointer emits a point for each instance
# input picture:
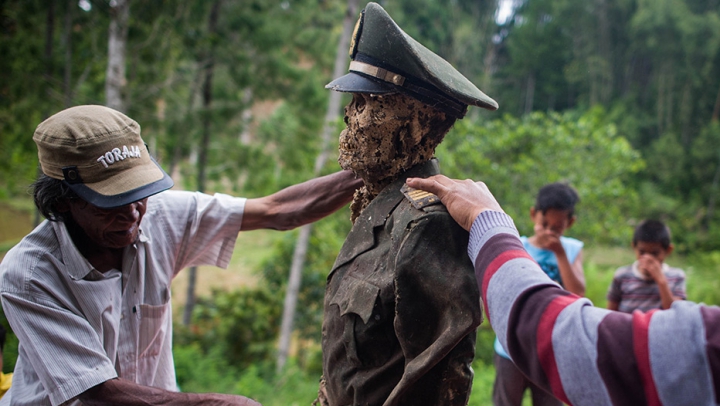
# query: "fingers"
(436, 184)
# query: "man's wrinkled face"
(109, 228)
(366, 144)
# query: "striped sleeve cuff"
(485, 222)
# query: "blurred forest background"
(621, 98)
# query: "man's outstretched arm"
(582, 354)
(123, 392)
(301, 204)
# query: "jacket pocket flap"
(356, 296)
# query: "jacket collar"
(361, 237)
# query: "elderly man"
(88, 292)
(401, 304)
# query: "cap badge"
(356, 36)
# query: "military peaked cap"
(387, 60)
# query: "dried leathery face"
(385, 136)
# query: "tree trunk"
(605, 74)
(716, 110)
(181, 138)
(67, 35)
(660, 103)
(529, 93)
(713, 194)
(301, 245)
(115, 78)
(49, 29)
(204, 143)
(686, 109)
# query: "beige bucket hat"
(99, 154)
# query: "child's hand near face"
(547, 239)
(651, 267)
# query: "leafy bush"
(241, 325)
(10, 351)
(703, 284)
(293, 387)
(326, 240)
(204, 371)
(517, 156)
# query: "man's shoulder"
(407, 212)
(22, 261)
(169, 206)
(168, 197)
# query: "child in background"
(649, 283)
(561, 259)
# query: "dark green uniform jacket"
(401, 306)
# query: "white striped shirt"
(78, 327)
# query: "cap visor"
(357, 83)
(140, 182)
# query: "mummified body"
(401, 305)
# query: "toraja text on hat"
(116, 154)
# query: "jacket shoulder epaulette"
(419, 199)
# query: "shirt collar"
(77, 266)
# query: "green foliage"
(484, 349)
(325, 242)
(293, 387)
(703, 284)
(198, 370)
(10, 351)
(682, 187)
(481, 394)
(515, 157)
(242, 325)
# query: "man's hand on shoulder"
(464, 199)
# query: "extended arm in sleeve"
(301, 204)
(587, 355)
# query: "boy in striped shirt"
(649, 283)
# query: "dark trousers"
(510, 385)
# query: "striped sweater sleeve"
(586, 355)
